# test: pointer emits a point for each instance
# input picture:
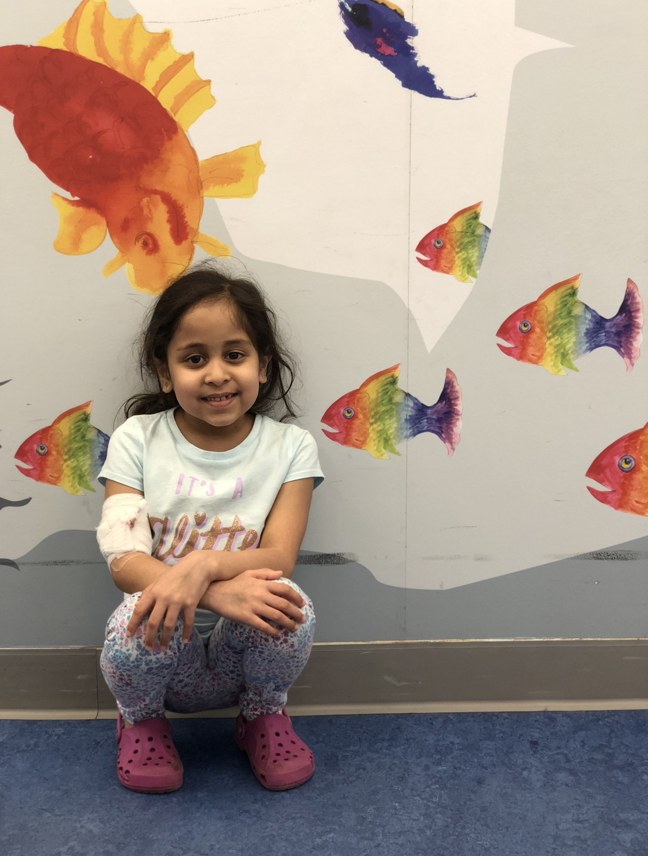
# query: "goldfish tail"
(444, 417)
(624, 330)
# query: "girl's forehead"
(210, 320)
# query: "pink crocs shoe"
(280, 759)
(147, 760)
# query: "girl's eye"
(524, 326)
(234, 356)
(626, 463)
(195, 360)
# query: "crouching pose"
(207, 501)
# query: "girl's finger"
(286, 608)
(168, 627)
(288, 593)
(140, 612)
(189, 617)
(153, 625)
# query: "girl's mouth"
(219, 400)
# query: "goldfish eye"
(626, 463)
(147, 243)
(41, 449)
(524, 326)
(348, 413)
(438, 243)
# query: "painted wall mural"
(379, 29)
(558, 328)
(456, 247)
(366, 220)
(379, 415)
(69, 453)
(621, 471)
(101, 107)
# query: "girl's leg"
(255, 669)
(139, 678)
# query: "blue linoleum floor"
(528, 784)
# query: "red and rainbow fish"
(557, 328)
(101, 107)
(69, 453)
(379, 415)
(622, 469)
(456, 247)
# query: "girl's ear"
(164, 378)
(263, 369)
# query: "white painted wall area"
(480, 544)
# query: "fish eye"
(626, 463)
(524, 326)
(41, 449)
(348, 413)
(438, 243)
(147, 243)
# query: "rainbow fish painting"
(379, 415)
(622, 470)
(101, 106)
(456, 247)
(558, 328)
(69, 453)
(379, 29)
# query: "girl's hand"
(257, 599)
(176, 591)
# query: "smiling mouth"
(218, 398)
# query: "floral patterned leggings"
(235, 665)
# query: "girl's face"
(215, 371)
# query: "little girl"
(207, 500)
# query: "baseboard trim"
(383, 677)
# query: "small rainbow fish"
(557, 328)
(622, 469)
(378, 415)
(101, 106)
(456, 247)
(379, 28)
(68, 453)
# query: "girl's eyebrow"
(230, 343)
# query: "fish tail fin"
(624, 330)
(444, 417)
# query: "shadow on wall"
(606, 584)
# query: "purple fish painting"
(379, 28)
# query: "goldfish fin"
(471, 212)
(444, 417)
(623, 332)
(212, 246)
(126, 46)
(233, 174)
(570, 284)
(114, 264)
(74, 412)
(391, 375)
(81, 227)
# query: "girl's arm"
(214, 579)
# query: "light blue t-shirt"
(200, 500)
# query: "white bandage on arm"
(124, 527)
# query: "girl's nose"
(217, 373)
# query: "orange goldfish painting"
(101, 106)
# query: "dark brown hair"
(201, 283)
